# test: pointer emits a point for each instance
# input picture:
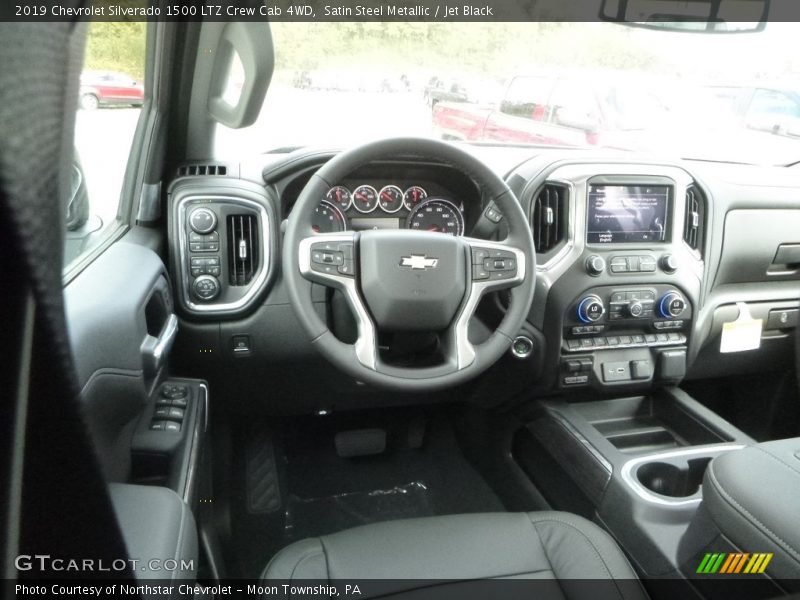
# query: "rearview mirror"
(701, 16)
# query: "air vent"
(202, 170)
(548, 220)
(242, 248)
(693, 220)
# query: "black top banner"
(727, 11)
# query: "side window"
(574, 105)
(110, 97)
(527, 97)
(770, 110)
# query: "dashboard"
(641, 263)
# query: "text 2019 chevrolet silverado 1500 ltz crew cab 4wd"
(291, 338)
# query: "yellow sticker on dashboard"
(742, 334)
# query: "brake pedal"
(360, 442)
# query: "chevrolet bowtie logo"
(418, 262)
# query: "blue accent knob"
(590, 309)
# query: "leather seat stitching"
(585, 537)
(730, 500)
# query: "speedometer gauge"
(437, 215)
(327, 219)
(340, 197)
(390, 198)
(365, 198)
(413, 196)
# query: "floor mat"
(306, 517)
(324, 493)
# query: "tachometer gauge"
(340, 197)
(327, 218)
(413, 196)
(390, 198)
(437, 215)
(365, 198)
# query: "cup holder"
(674, 480)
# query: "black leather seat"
(539, 545)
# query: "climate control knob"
(206, 287)
(590, 309)
(202, 220)
(671, 305)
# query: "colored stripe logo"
(732, 563)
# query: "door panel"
(116, 310)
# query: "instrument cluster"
(391, 206)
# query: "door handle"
(156, 349)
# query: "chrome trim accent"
(366, 342)
(194, 453)
(465, 351)
(259, 279)
(569, 239)
(155, 349)
(628, 468)
(521, 355)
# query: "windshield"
(732, 98)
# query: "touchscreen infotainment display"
(627, 213)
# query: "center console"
(619, 292)
(634, 463)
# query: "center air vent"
(693, 219)
(242, 248)
(548, 219)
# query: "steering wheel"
(405, 280)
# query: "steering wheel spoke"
(329, 259)
(495, 266)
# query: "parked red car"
(574, 109)
(107, 88)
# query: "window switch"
(172, 426)
(180, 402)
(163, 402)
(162, 412)
(157, 426)
(176, 413)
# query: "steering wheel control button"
(206, 287)
(347, 268)
(595, 265)
(332, 258)
(672, 305)
(590, 309)
(479, 255)
(479, 273)
(494, 215)
(202, 220)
